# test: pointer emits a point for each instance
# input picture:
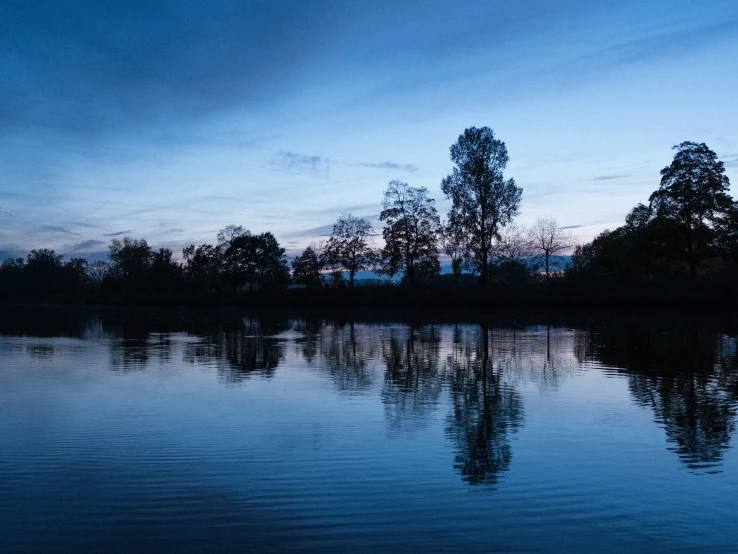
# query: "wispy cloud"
(302, 163)
(611, 177)
(321, 231)
(393, 166)
(573, 226)
(86, 245)
(55, 229)
(119, 233)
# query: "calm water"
(123, 433)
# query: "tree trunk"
(485, 254)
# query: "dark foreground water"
(130, 433)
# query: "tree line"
(689, 227)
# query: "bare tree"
(513, 249)
(97, 271)
(549, 239)
(349, 248)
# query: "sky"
(169, 120)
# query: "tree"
(453, 242)
(130, 259)
(226, 238)
(513, 250)
(349, 247)
(693, 194)
(164, 272)
(483, 201)
(203, 265)
(549, 239)
(411, 229)
(73, 275)
(11, 276)
(728, 233)
(42, 271)
(97, 271)
(259, 261)
(306, 268)
(388, 260)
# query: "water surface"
(125, 432)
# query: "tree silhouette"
(411, 229)
(512, 252)
(130, 260)
(203, 265)
(97, 272)
(389, 259)
(693, 194)
(549, 239)
(226, 238)
(258, 261)
(164, 272)
(306, 268)
(42, 270)
(483, 201)
(349, 247)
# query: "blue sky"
(170, 120)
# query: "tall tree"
(411, 229)
(483, 200)
(693, 194)
(349, 246)
(549, 239)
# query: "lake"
(124, 431)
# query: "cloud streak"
(611, 177)
(393, 166)
(86, 245)
(302, 163)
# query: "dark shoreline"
(416, 309)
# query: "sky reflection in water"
(126, 431)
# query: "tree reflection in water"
(412, 382)
(485, 409)
(345, 350)
(242, 350)
(689, 378)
